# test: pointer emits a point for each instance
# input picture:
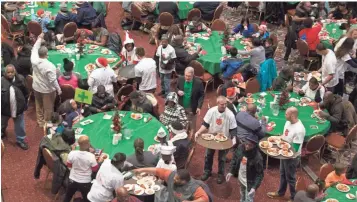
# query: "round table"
(56, 57)
(54, 10)
(212, 144)
(183, 8)
(332, 192)
(212, 60)
(101, 135)
(329, 27)
(280, 120)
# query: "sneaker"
(273, 195)
(220, 179)
(205, 176)
(23, 145)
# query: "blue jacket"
(62, 19)
(246, 33)
(267, 74)
(230, 66)
(43, 22)
(86, 14)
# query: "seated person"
(102, 101)
(68, 77)
(310, 34)
(62, 18)
(86, 14)
(263, 33)
(173, 111)
(322, 187)
(269, 49)
(257, 53)
(231, 65)
(80, 36)
(174, 31)
(336, 176)
(313, 90)
(183, 58)
(244, 28)
(100, 35)
(284, 81)
(169, 7)
(61, 143)
(195, 26)
(140, 103)
(43, 19)
(180, 140)
(51, 40)
(352, 170)
(72, 114)
(56, 124)
(141, 158)
(322, 12)
(207, 9)
(128, 55)
(167, 161)
(307, 196)
(341, 12)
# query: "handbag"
(169, 65)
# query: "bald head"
(312, 190)
(291, 114)
(328, 97)
(122, 194)
(252, 109)
(83, 142)
(221, 103)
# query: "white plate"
(271, 154)
(149, 191)
(138, 190)
(207, 137)
(342, 185)
(276, 140)
(291, 153)
(105, 51)
(137, 116)
(350, 196)
(269, 143)
(129, 187)
(279, 145)
(156, 187)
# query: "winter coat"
(183, 58)
(98, 103)
(230, 66)
(267, 74)
(21, 95)
(62, 18)
(23, 63)
(86, 14)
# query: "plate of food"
(274, 139)
(205, 35)
(196, 35)
(271, 124)
(151, 148)
(156, 187)
(331, 200)
(284, 145)
(249, 100)
(26, 13)
(111, 60)
(265, 144)
(60, 47)
(342, 188)
(273, 151)
(93, 47)
(149, 191)
(286, 152)
(138, 190)
(305, 100)
(90, 67)
(136, 116)
(220, 137)
(105, 51)
(129, 187)
(350, 196)
(207, 136)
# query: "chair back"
(67, 92)
(5, 24)
(197, 66)
(300, 184)
(302, 47)
(315, 143)
(29, 81)
(218, 25)
(352, 134)
(252, 85)
(325, 170)
(193, 13)
(254, 4)
(274, 38)
(135, 12)
(48, 156)
(124, 91)
(217, 12)
(166, 19)
(255, 27)
(69, 29)
(219, 90)
(34, 28)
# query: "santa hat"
(40, 12)
(231, 93)
(102, 62)
(128, 39)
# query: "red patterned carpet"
(18, 183)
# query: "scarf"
(178, 136)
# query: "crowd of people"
(184, 95)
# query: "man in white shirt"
(218, 119)
(328, 68)
(294, 133)
(109, 178)
(82, 163)
(45, 82)
(167, 55)
(313, 90)
(145, 72)
(103, 75)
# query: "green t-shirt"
(187, 89)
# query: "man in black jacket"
(14, 96)
(183, 58)
(191, 95)
(207, 9)
(102, 101)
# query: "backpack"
(114, 42)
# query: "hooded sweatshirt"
(86, 14)
(175, 113)
(62, 18)
(129, 57)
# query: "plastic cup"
(78, 56)
(128, 134)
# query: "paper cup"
(78, 56)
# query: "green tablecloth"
(304, 116)
(332, 192)
(183, 6)
(101, 135)
(212, 60)
(329, 27)
(57, 57)
(54, 10)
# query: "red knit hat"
(231, 92)
(40, 12)
(102, 62)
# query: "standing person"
(167, 56)
(14, 96)
(311, 35)
(141, 158)
(180, 140)
(82, 163)
(173, 111)
(62, 18)
(145, 72)
(128, 53)
(218, 119)
(191, 95)
(247, 164)
(328, 68)
(294, 134)
(45, 82)
(86, 14)
(103, 75)
(248, 123)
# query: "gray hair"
(42, 51)
(10, 65)
(190, 70)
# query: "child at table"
(231, 65)
(195, 26)
(51, 40)
(244, 28)
(42, 19)
(336, 176)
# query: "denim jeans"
(209, 160)
(19, 126)
(288, 176)
(244, 196)
(165, 83)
